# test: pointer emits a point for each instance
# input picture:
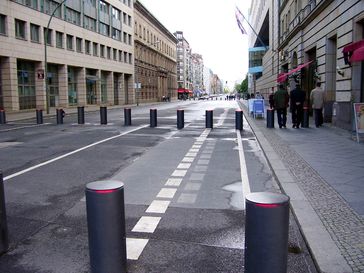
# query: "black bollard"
(180, 118)
(127, 116)
(4, 243)
(60, 115)
(2, 116)
(270, 118)
(39, 116)
(106, 226)
(81, 114)
(209, 119)
(103, 115)
(153, 118)
(239, 119)
(306, 118)
(266, 232)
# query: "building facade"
(197, 74)
(89, 48)
(316, 32)
(308, 38)
(184, 60)
(263, 44)
(207, 77)
(155, 58)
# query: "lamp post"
(138, 84)
(45, 56)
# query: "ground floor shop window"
(53, 85)
(72, 86)
(103, 87)
(91, 80)
(26, 85)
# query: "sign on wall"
(359, 119)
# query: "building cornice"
(143, 10)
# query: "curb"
(325, 253)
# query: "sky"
(211, 29)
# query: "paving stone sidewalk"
(328, 166)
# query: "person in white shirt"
(317, 99)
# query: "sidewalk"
(321, 169)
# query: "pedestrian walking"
(271, 99)
(317, 99)
(297, 99)
(281, 99)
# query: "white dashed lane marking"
(184, 165)
(179, 173)
(188, 159)
(166, 193)
(173, 182)
(135, 247)
(158, 206)
(146, 224)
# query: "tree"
(243, 86)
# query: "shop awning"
(184, 90)
(354, 52)
(283, 76)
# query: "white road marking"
(22, 127)
(199, 168)
(71, 153)
(135, 247)
(196, 146)
(184, 165)
(197, 176)
(203, 161)
(222, 117)
(208, 156)
(146, 224)
(191, 154)
(193, 150)
(179, 173)
(243, 170)
(173, 182)
(166, 193)
(158, 206)
(188, 159)
(9, 144)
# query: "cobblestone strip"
(344, 225)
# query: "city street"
(184, 189)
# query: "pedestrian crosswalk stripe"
(135, 247)
(166, 193)
(146, 224)
(158, 206)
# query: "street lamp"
(138, 85)
(45, 56)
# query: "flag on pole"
(240, 19)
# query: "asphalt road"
(184, 197)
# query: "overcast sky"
(210, 28)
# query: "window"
(2, 24)
(124, 17)
(78, 44)
(95, 49)
(129, 39)
(29, 3)
(102, 51)
(115, 54)
(87, 47)
(90, 2)
(73, 16)
(120, 56)
(72, 86)
(69, 42)
(59, 39)
(125, 57)
(89, 23)
(26, 84)
(125, 37)
(104, 7)
(130, 58)
(34, 33)
(48, 6)
(108, 52)
(104, 29)
(129, 20)
(116, 34)
(115, 13)
(48, 37)
(20, 29)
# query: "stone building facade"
(184, 60)
(155, 57)
(90, 53)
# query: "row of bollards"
(60, 114)
(266, 229)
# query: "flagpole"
(260, 40)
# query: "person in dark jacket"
(281, 99)
(297, 99)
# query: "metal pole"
(266, 232)
(2, 116)
(106, 226)
(180, 119)
(103, 115)
(45, 56)
(4, 243)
